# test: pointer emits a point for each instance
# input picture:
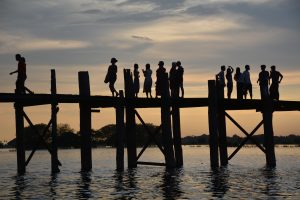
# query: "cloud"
(143, 38)
(13, 43)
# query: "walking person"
(263, 80)
(111, 76)
(136, 80)
(159, 78)
(221, 81)
(247, 82)
(148, 80)
(276, 78)
(173, 79)
(21, 70)
(179, 73)
(229, 72)
(238, 77)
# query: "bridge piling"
(213, 125)
(85, 122)
(120, 129)
(21, 164)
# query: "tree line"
(67, 137)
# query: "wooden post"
(85, 122)
(54, 157)
(268, 132)
(130, 121)
(166, 123)
(120, 129)
(213, 125)
(20, 138)
(222, 126)
(177, 135)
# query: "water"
(246, 177)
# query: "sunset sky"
(76, 35)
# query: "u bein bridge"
(126, 114)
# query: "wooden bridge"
(125, 106)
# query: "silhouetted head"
(161, 63)
(263, 67)
(238, 70)
(22, 59)
(113, 60)
(18, 57)
(223, 67)
(273, 67)
(136, 66)
(147, 66)
(247, 67)
(174, 64)
(178, 63)
(229, 69)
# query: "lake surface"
(246, 177)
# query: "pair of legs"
(112, 89)
(20, 86)
(229, 90)
(181, 89)
(239, 88)
(247, 88)
(264, 93)
(274, 91)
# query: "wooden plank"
(130, 121)
(21, 166)
(85, 123)
(151, 163)
(120, 133)
(166, 124)
(213, 125)
(54, 108)
(268, 132)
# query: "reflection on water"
(219, 182)
(244, 178)
(83, 190)
(171, 183)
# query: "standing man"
(276, 77)
(173, 80)
(180, 72)
(263, 80)
(20, 83)
(220, 77)
(247, 82)
(111, 76)
(159, 78)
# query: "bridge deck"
(108, 101)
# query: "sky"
(76, 35)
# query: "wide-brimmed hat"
(113, 60)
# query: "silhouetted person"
(148, 80)
(263, 80)
(159, 78)
(221, 81)
(20, 83)
(136, 80)
(247, 82)
(111, 76)
(276, 77)
(179, 76)
(229, 72)
(173, 79)
(238, 77)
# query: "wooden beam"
(85, 123)
(213, 125)
(151, 163)
(120, 133)
(20, 139)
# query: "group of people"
(175, 79)
(244, 85)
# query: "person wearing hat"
(276, 77)
(111, 76)
(263, 80)
(180, 72)
(159, 75)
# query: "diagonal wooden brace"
(249, 136)
(41, 136)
